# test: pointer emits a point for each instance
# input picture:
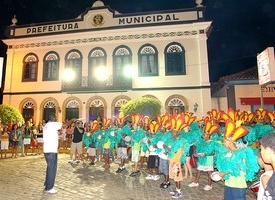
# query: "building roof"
(248, 74)
(246, 77)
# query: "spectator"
(4, 141)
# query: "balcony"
(92, 85)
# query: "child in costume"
(137, 135)
(107, 141)
(153, 159)
(205, 150)
(177, 154)
(122, 144)
(235, 165)
(89, 140)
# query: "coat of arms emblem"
(98, 20)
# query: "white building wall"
(194, 87)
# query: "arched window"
(174, 60)
(28, 110)
(119, 104)
(148, 60)
(51, 67)
(30, 64)
(97, 59)
(122, 60)
(96, 109)
(49, 107)
(73, 61)
(72, 109)
(176, 106)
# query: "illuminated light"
(68, 74)
(102, 73)
(128, 71)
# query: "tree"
(145, 106)
(9, 114)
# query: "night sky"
(241, 28)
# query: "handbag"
(193, 158)
(193, 161)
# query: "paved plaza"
(23, 178)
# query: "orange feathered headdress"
(234, 131)
(181, 121)
(94, 124)
(136, 118)
(210, 127)
(213, 114)
(261, 115)
(120, 118)
(247, 116)
(106, 122)
(164, 120)
(231, 114)
(154, 127)
(271, 116)
(146, 120)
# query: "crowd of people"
(21, 139)
(230, 144)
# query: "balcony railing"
(94, 85)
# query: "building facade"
(242, 91)
(92, 65)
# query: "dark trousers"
(51, 160)
(234, 193)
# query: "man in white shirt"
(50, 146)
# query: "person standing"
(77, 144)
(268, 155)
(50, 147)
(14, 139)
(235, 165)
(264, 177)
(5, 141)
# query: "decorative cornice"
(103, 39)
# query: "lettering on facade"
(52, 28)
(268, 89)
(98, 20)
(148, 19)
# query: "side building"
(242, 91)
(92, 65)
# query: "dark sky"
(241, 28)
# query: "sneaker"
(162, 184)
(193, 184)
(156, 177)
(207, 187)
(92, 163)
(51, 191)
(176, 195)
(119, 170)
(77, 161)
(173, 192)
(123, 168)
(134, 174)
(149, 177)
(165, 185)
(70, 161)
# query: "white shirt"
(261, 188)
(50, 137)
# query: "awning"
(257, 101)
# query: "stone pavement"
(23, 178)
